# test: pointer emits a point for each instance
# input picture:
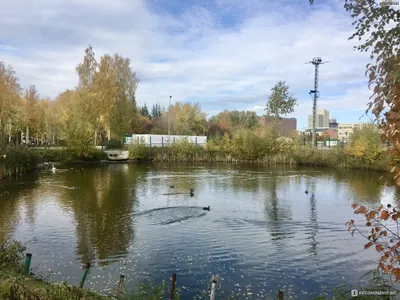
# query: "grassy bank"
(15, 161)
(261, 146)
(280, 153)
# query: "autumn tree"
(235, 119)
(106, 92)
(31, 113)
(377, 27)
(87, 98)
(280, 102)
(124, 110)
(11, 113)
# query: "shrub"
(114, 144)
(11, 253)
(16, 160)
(139, 150)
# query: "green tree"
(144, 111)
(156, 111)
(280, 102)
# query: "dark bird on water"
(171, 186)
(389, 205)
(306, 192)
(191, 192)
(206, 208)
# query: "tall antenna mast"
(316, 62)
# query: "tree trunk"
(95, 137)
(27, 135)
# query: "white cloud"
(201, 56)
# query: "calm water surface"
(263, 233)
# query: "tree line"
(103, 107)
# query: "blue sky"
(224, 54)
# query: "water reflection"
(17, 200)
(104, 194)
(263, 231)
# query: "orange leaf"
(377, 228)
(384, 215)
(380, 207)
(392, 170)
(395, 217)
(354, 206)
(384, 233)
(387, 269)
(368, 224)
(348, 229)
(379, 248)
(372, 214)
(368, 245)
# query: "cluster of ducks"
(191, 193)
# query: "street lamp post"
(169, 121)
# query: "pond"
(262, 233)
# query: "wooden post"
(121, 280)
(213, 287)
(162, 141)
(171, 292)
(280, 295)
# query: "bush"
(16, 160)
(139, 150)
(365, 144)
(115, 144)
(11, 253)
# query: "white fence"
(156, 140)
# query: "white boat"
(117, 155)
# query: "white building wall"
(158, 140)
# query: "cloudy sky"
(224, 54)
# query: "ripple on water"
(257, 245)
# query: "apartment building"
(322, 119)
(346, 130)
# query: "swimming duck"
(206, 208)
(53, 168)
(306, 192)
(191, 192)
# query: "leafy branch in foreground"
(383, 235)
